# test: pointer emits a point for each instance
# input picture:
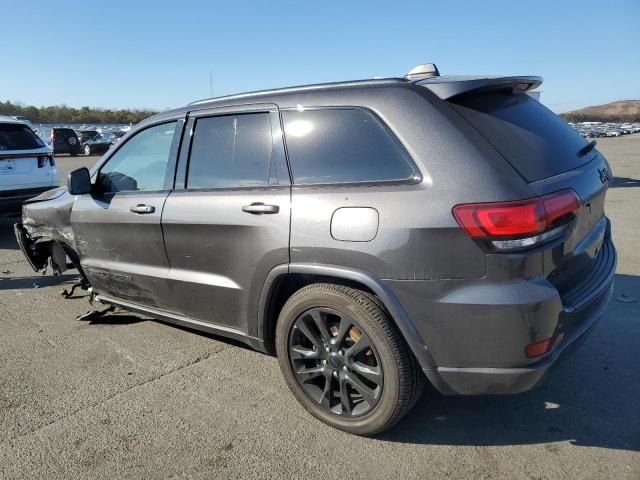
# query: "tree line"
(591, 117)
(65, 114)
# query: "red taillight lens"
(539, 348)
(516, 219)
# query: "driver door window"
(141, 164)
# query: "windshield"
(18, 137)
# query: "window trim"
(278, 156)
(415, 179)
(171, 162)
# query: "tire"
(87, 150)
(317, 378)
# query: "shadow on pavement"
(625, 182)
(36, 281)
(592, 399)
(7, 238)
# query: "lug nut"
(345, 368)
(341, 352)
(327, 349)
(335, 373)
(324, 362)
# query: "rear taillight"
(520, 223)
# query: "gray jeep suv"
(373, 234)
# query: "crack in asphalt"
(115, 395)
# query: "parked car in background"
(449, 229)
(65, 140)
(118, 134)
(99, 144)
(27, 167)
(85, 135)
(22, 119)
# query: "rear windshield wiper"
(587, 148)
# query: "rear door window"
(534, 140)
(343, 145)
(231, 151)
(18, 137)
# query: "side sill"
(187, 322)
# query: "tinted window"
(64, 132)
(141, 163)
(231, 151)
(536, 142)
(343, 145)
(18, 137)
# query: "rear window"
(18, 137)
(343, 145)
(534, 140)
(65, 132)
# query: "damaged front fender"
(45, 232)
(37, 258)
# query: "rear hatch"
(25, 161)
(551, 157)
(65, 140)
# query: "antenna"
(422, 71)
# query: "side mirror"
(79, 181)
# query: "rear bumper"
(11, 200)
(483, 381)
(477, 331)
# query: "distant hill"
(620, 111)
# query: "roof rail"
(422, 71)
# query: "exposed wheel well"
(286, 285)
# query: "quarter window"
(141, 163)
(231, 151)
(343, 145)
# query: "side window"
(231, 151)
(141, 163)
(343, 145)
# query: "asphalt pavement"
(127, 397)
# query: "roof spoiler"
(447, 87)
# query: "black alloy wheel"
(335, 362)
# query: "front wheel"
(344, 360)
(87, 150)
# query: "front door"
(229, 224)
(117, 227)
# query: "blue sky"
(158, 54)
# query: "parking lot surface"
(127, 397)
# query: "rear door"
(226, 224)
(25, 161)
(117, 227)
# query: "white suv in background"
(27, 167)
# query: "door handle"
(260, 208)
(143, 209)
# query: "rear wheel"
(344, 360)
(87, 150)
